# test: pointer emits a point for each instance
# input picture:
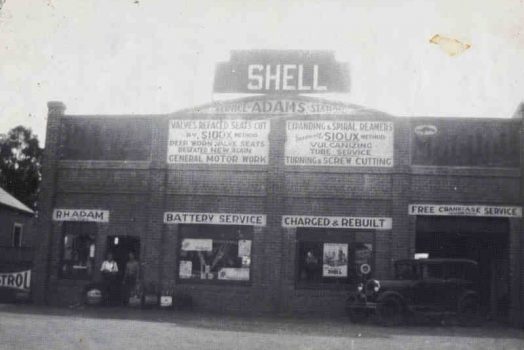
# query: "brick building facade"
(312, 197)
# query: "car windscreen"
(430, 271)
(405, 271)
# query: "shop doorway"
(485, 240)
(120, 247)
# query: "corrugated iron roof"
(10, 201)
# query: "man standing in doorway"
(109, 271)
(131, 277)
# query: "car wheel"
(390, 312)
(355, 314)
(469, 311)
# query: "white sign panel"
(185, 269)
(218, 141)
(16, 280)
(280, 106)
(335, 262)
(199, 245)
(244, 247)
(92, 215)
(234, 274)
(371, 223)
(465, 210)
(214, 219)
(339, 143)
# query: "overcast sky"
(148, 56)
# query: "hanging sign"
(335, 261)
(465, 210)
(92, 215)
(372, 223)
(218, 141)
(285, 71)
(16, 280)
(214, 219)
(344, 143)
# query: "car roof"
(437, 261)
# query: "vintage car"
(434, 287)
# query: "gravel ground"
(33, 327)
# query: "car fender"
(392, 294)
(466, 294)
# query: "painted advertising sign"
(280, 106)
(16, 280)
(335, 262)
(199, 245)
(372, 223)
(214, 218)
(339, 143)
(92, 215)
(185, 269)
(218, 141)
(465, 210)
(244, 247)
(285, 71)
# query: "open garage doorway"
(120, 247)
(485, 240)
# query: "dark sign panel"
(281, 72)
(459, 142)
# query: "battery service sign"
(339, 143)
(218, 141)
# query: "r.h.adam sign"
(281, 72)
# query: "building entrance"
(120, 247)
(485, 240)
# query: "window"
(215, 253)
(430, 271)
(333, 256)
(406, 271)
(78, 252)
(17, 235)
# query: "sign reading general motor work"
(93, 215)
(218, 141)
(214, 219)
(339, 143)
(465, 210)
(16, 280)
(286, 71)
(371, 223)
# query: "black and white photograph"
(261, 174)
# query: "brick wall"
(137, 193)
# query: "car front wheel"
(469, 311)
(390, 311)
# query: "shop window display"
(329, 257)
(215, 253)
(78, 250)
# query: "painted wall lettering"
(214, 218)
(465, 210)
(93, 215)
(371, 223)
(339, 143)
(218, 141)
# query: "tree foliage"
(20, 164)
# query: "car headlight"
(360, 287)
(372, 287)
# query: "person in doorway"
(131, 277)
(311, 266)
(109, 271)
